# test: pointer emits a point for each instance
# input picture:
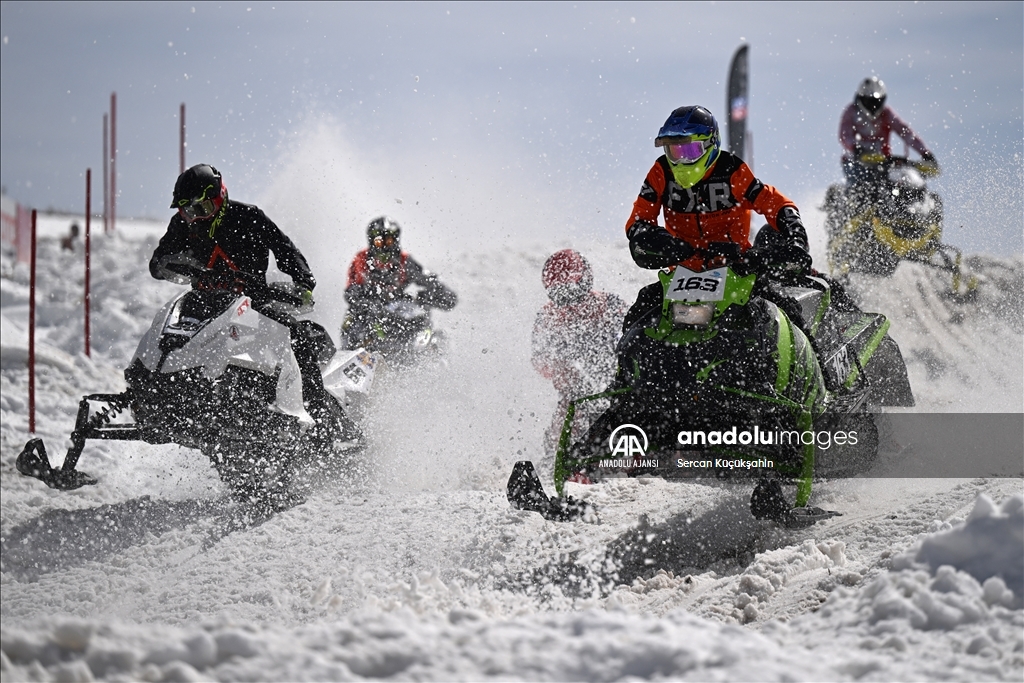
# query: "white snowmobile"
(216, 371)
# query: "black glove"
(783, 263)
(436, 295)
(791, 227)
(652, 247)
(928, 156)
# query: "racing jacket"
(372, 282)
(574, 345)
(238, 239)
(715, 211)
(872, 135)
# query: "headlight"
(692, 315)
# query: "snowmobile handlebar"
(927, 167)
(778, 262)
(262, 293)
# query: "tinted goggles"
(202, 207)
(198, 208)
(687, 152)
(383, 241)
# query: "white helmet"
(870, 97)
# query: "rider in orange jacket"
(706, 195)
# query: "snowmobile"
(399, 333)
(727, 371)
(888, 218)
(216, 371)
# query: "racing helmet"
(199, 193)
(567, 277)
(692, 143)
(383, 236)
(870, 97)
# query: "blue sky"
(484, 108)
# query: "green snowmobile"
(724, 372)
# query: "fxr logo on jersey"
(709, 197)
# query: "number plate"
(687, 285)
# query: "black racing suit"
(374, 283)
(229, 253)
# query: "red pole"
(32, 333)
(88, 216)
(106, 177)
(113, 161)
(181, 140)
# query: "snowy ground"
(421, 571)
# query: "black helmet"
(199, 192)
(382, 233)
(870, 96)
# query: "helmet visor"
(686, 152)
(872, 103)
(197, 209)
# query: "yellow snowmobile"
(889, 217)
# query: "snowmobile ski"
(525, 492)
(33, 462)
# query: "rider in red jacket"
(866, 126)
(380, 275)
(574, 338)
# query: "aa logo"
(628, 441)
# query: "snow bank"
(462, 645)
(988, 546)
(943, 612)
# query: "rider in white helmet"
(866, 126)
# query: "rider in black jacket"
(213, 241)
(222, 247)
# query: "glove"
(307, 298)
(928, 166)
(652, 247)
(783, 263)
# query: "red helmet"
(566, 276)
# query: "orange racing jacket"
(716, 209)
